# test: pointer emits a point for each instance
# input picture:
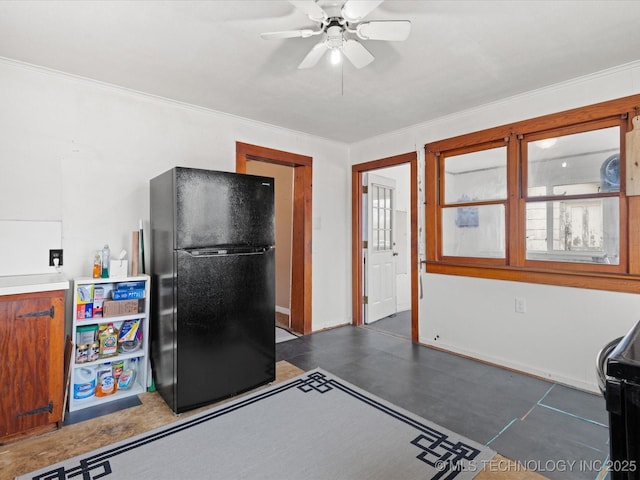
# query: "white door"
(379, 256)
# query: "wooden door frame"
(357, 172)
(300, 313)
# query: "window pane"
(584, 231)
(474, 231)
(381, 218)
(575, 164)
(476, 176)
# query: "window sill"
(615, 282)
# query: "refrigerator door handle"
(216, 252)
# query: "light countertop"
(33, 283)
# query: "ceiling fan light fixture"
(341, 30)
(336, 56)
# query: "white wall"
(83, 153)
(563, 329)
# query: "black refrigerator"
(213, 278)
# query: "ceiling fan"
(339, 23)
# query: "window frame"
(622, 277)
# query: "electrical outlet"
(521, 305)
(53, 254)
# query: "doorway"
(372, 201)
(300, 309)
(283, 203)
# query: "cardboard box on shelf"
(114, 308)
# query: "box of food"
(128, 294)
(84, 310)
(100, 294)
(114, 308)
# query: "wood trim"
(594, 281)
(415, 266)
(301, 278)
(357, 269)
(547, 122)
(301, 242)
(270, 155)
(633, 233)
(432, 212)
(515, 210)
(356, 234)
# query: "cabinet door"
(31, 342)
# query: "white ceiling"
(460, 54)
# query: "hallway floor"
(398, 324)
(558, 431)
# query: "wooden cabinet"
(32, 370)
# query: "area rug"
(314, 426)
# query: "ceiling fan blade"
(395, 30)
(356, 53)
(290, 34)
(311, 8)
(356, 10)
(316, 53)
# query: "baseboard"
(517, 367)
(283, 310)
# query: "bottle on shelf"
(97, 265)
(128, 375)
(105, 384)
(106, 254)
(108, 341)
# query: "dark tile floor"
(396, 324)
(558, 431)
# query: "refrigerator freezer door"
(222, 208)
(226, 325)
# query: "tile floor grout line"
(604, 470)
(589, 447)
(545, 394)
(537, 403)
(573, 415)
(501, 431)
(527, 414)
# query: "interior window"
(577, 177)
(552, 200)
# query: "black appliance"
(619, 372)
(213, 282)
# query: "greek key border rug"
(314, 426)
